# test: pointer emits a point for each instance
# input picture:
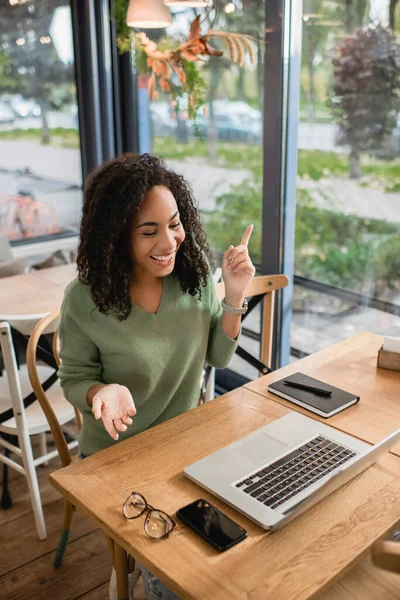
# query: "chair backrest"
(386, 555)
(14, 384)
(48, 324)
(266, 286)
(24, 323)
(13, 332)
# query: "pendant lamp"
(188, 3)
(148, 14)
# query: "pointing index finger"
(246, 236)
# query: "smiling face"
(157, 234)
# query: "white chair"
(24, 422)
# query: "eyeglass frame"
(149, 509)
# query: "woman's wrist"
(230, 324)
(234, 300)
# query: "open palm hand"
(115, 406)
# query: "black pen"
(309, 388)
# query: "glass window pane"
(219, 151)
(40, 167)
(348, 184)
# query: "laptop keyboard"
(288, 476)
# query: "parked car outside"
(396, 136)
(24, 107)
(6, 113)
(234, 120)
(228, 128)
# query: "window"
(347, 248)
(220, 151)
(40, 164)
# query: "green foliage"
(341, 249)
(124, 33)
(336, 248)
(345, 268)
(388, 261)
(7, 82)
(249, 157)
(235, 210)
(195, 88)
(314, 164)
(169, 148)
(229, 155)
(60, 137)
(32, 69)
(387, 174)
(393, 187)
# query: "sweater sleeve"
(220, 347)
(80, 367)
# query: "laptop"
(282, 469)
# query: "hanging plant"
(175, 70)
(125, 33)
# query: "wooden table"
(34, 293)
(351, 365)
(295, 562)
(59, 276)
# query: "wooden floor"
(26, 569)
(26, 564)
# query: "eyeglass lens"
(134, 505)
(157, 524)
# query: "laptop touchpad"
(261, 448)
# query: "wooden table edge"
(117, 540)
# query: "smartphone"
(212, 525)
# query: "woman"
(142, 317)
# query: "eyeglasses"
(157, 523)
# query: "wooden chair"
(261, 289)
(50, 323)
(386, 555)
(122, 562)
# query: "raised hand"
(114, 404)
(237, 269)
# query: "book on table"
(323, 405)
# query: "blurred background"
(305, 144)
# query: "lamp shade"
(188, 3)
(148, 14)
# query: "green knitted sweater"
(158, 357)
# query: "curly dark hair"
(113, 193)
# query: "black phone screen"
(211, 524)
